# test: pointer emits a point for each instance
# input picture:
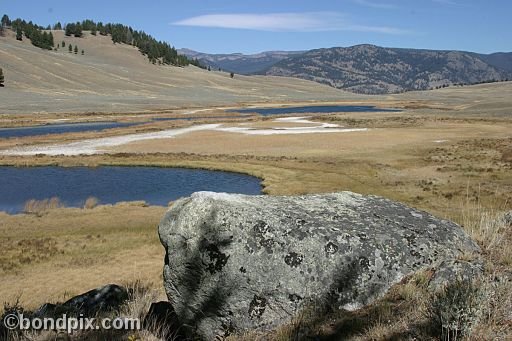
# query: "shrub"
(456, 309)
(91, 203)
(39, 207)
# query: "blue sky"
(225, 26)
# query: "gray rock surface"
(236, 262)
(452, 270)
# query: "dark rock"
(46, 310)
(108, 298)
(4, 332)
(236, 262)
(161, 320)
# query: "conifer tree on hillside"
(154, 50)
(83, 52)
(76, 49)
(74, 30)
(19, 34)
(57, 26)
(63, 43)
(78, 30)
(6, 21)
(1, 77)
(70, 48)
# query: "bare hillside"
(116, 77)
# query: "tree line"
(38, 36)
(156, 51)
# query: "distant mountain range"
(244, 64)
(369, 69)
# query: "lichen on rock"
(236, 262)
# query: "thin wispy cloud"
(445, 2)
(378, 5)
(286, 22)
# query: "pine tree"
(50, 41)
(69, 30)
(57, 26)
(19, 34)
(1, 77)
(6, 21)
(83, 52)
(76, 49)
(63, 43)
(78, 30)
(70, 48)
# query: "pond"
(312, 109)
(73, 185)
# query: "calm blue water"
(315, 109)
(188, 118)
(81, 127)
(98, 126)
(60, 128)
(156, 186)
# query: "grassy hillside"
(116, 77)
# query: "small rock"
(107, 298)
(104, 299)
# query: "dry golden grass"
(141, 296)
(91, 203)
(467, 179)
(434, 177)
(39, 207)
(69, 251)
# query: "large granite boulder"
(236, 262)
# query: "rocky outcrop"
(236, 262)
